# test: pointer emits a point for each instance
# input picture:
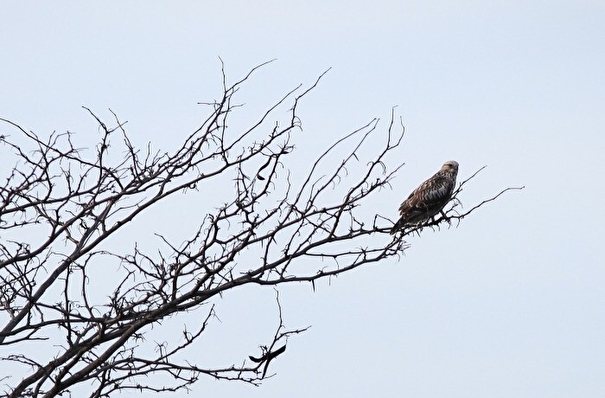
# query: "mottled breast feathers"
(429, 198)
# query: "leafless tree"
(61, 207)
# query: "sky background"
(510, 303)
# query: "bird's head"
(450, 166)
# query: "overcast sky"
(509, 304)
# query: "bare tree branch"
(63, 208)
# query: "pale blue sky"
(510, 304)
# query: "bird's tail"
(398, 225)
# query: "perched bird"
(429, 198)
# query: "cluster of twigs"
(60, 205)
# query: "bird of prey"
(429, 198)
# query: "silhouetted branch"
(65, 213)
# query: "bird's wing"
(433, 192)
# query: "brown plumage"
(429, 198)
